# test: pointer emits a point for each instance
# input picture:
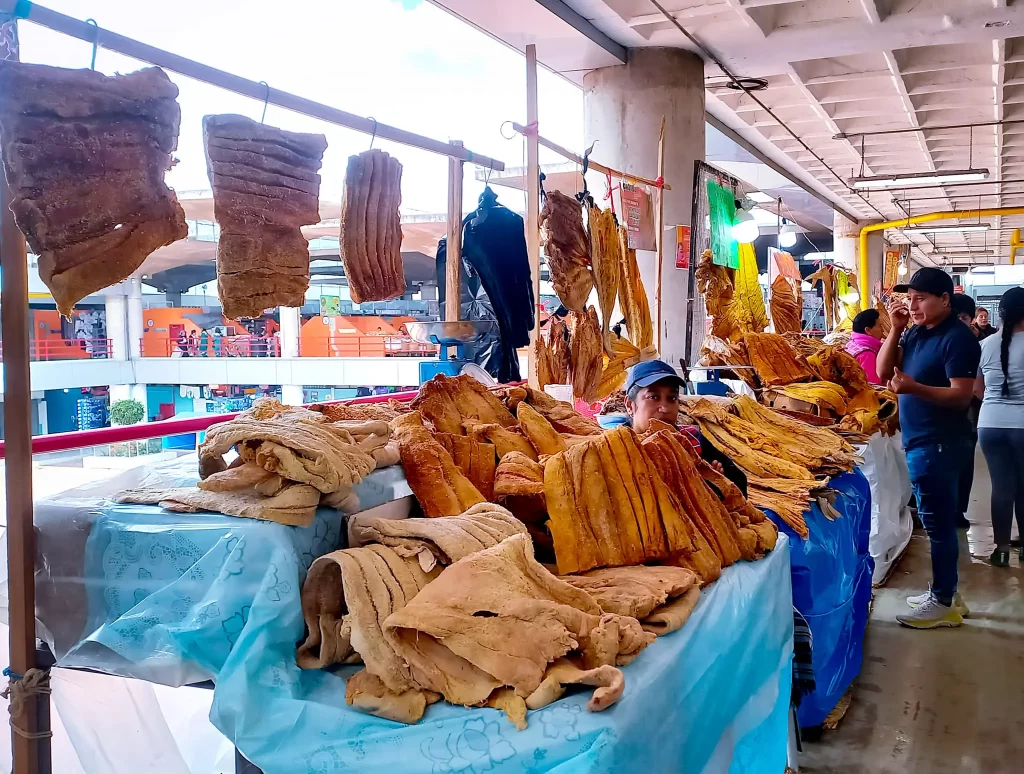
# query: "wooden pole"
(453, 263)
(533, 203)
(21, 544)
(660, 226)
(225, 80)
(592, 165)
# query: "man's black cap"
(929, 280)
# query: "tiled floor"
(945, 701)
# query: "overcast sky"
(404, 62)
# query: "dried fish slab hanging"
(266, 186)
(85, 156)
(371, 230)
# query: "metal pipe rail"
(863, 264)
(81, 439)
(261, 92)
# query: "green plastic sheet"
(722, 209)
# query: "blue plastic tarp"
(176, 598)
(832, 589)
(712, 697)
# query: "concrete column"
(135, 312)
(622, 110)
(117, 330)
(845, 242)
(876, 262)
(291, 322)
(119, 392)
(291, 394)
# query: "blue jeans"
(1004, 453)
(934, 474)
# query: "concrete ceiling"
(833, 67)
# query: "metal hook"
(374, 135)
(95, 42)
(266, 101)
(487, 175)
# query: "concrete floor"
(949, 701)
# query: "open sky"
(404, 62)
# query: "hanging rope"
(611, 189)
(35, 682)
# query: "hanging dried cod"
(606, 257)
(732, 298)
(567, 248)
(785, 312)
(826, 276)
(586, 354)
(633, 298)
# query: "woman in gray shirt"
(1001, 421)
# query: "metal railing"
(270, 346)
(81, 439)
(41, 350)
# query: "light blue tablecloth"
(713, 697)
(176, 598)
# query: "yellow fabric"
(748, 291)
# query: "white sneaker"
(958, 602)
(931, 614)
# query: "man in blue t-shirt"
(932, 367)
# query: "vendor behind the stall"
(652, 392)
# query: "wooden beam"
(660, 228)
(533, 204)
(453, 245)
(261, 92)
(21, 543)
(593, 165)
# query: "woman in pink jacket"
(866, 341)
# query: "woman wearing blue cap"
(652, 392)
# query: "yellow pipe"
(862, 276)
(1015, 245)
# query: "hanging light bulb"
(744, 229)
(787, 234)
(902, 270)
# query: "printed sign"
(638, 213)
(682, 247)
(330, 306)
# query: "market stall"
(553, 558)
(843, 506)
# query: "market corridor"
(941, 702)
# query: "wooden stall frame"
(30, 722)
(532, 135)
(533, 206)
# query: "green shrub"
(127, 412)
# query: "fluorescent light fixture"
(745, 229)
(919, 179)
(760, 197)
(947, 228)
(960, 251)
(983, 270)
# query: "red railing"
(270, 346)
(41, 350)
(58, 442)
(364, 346)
